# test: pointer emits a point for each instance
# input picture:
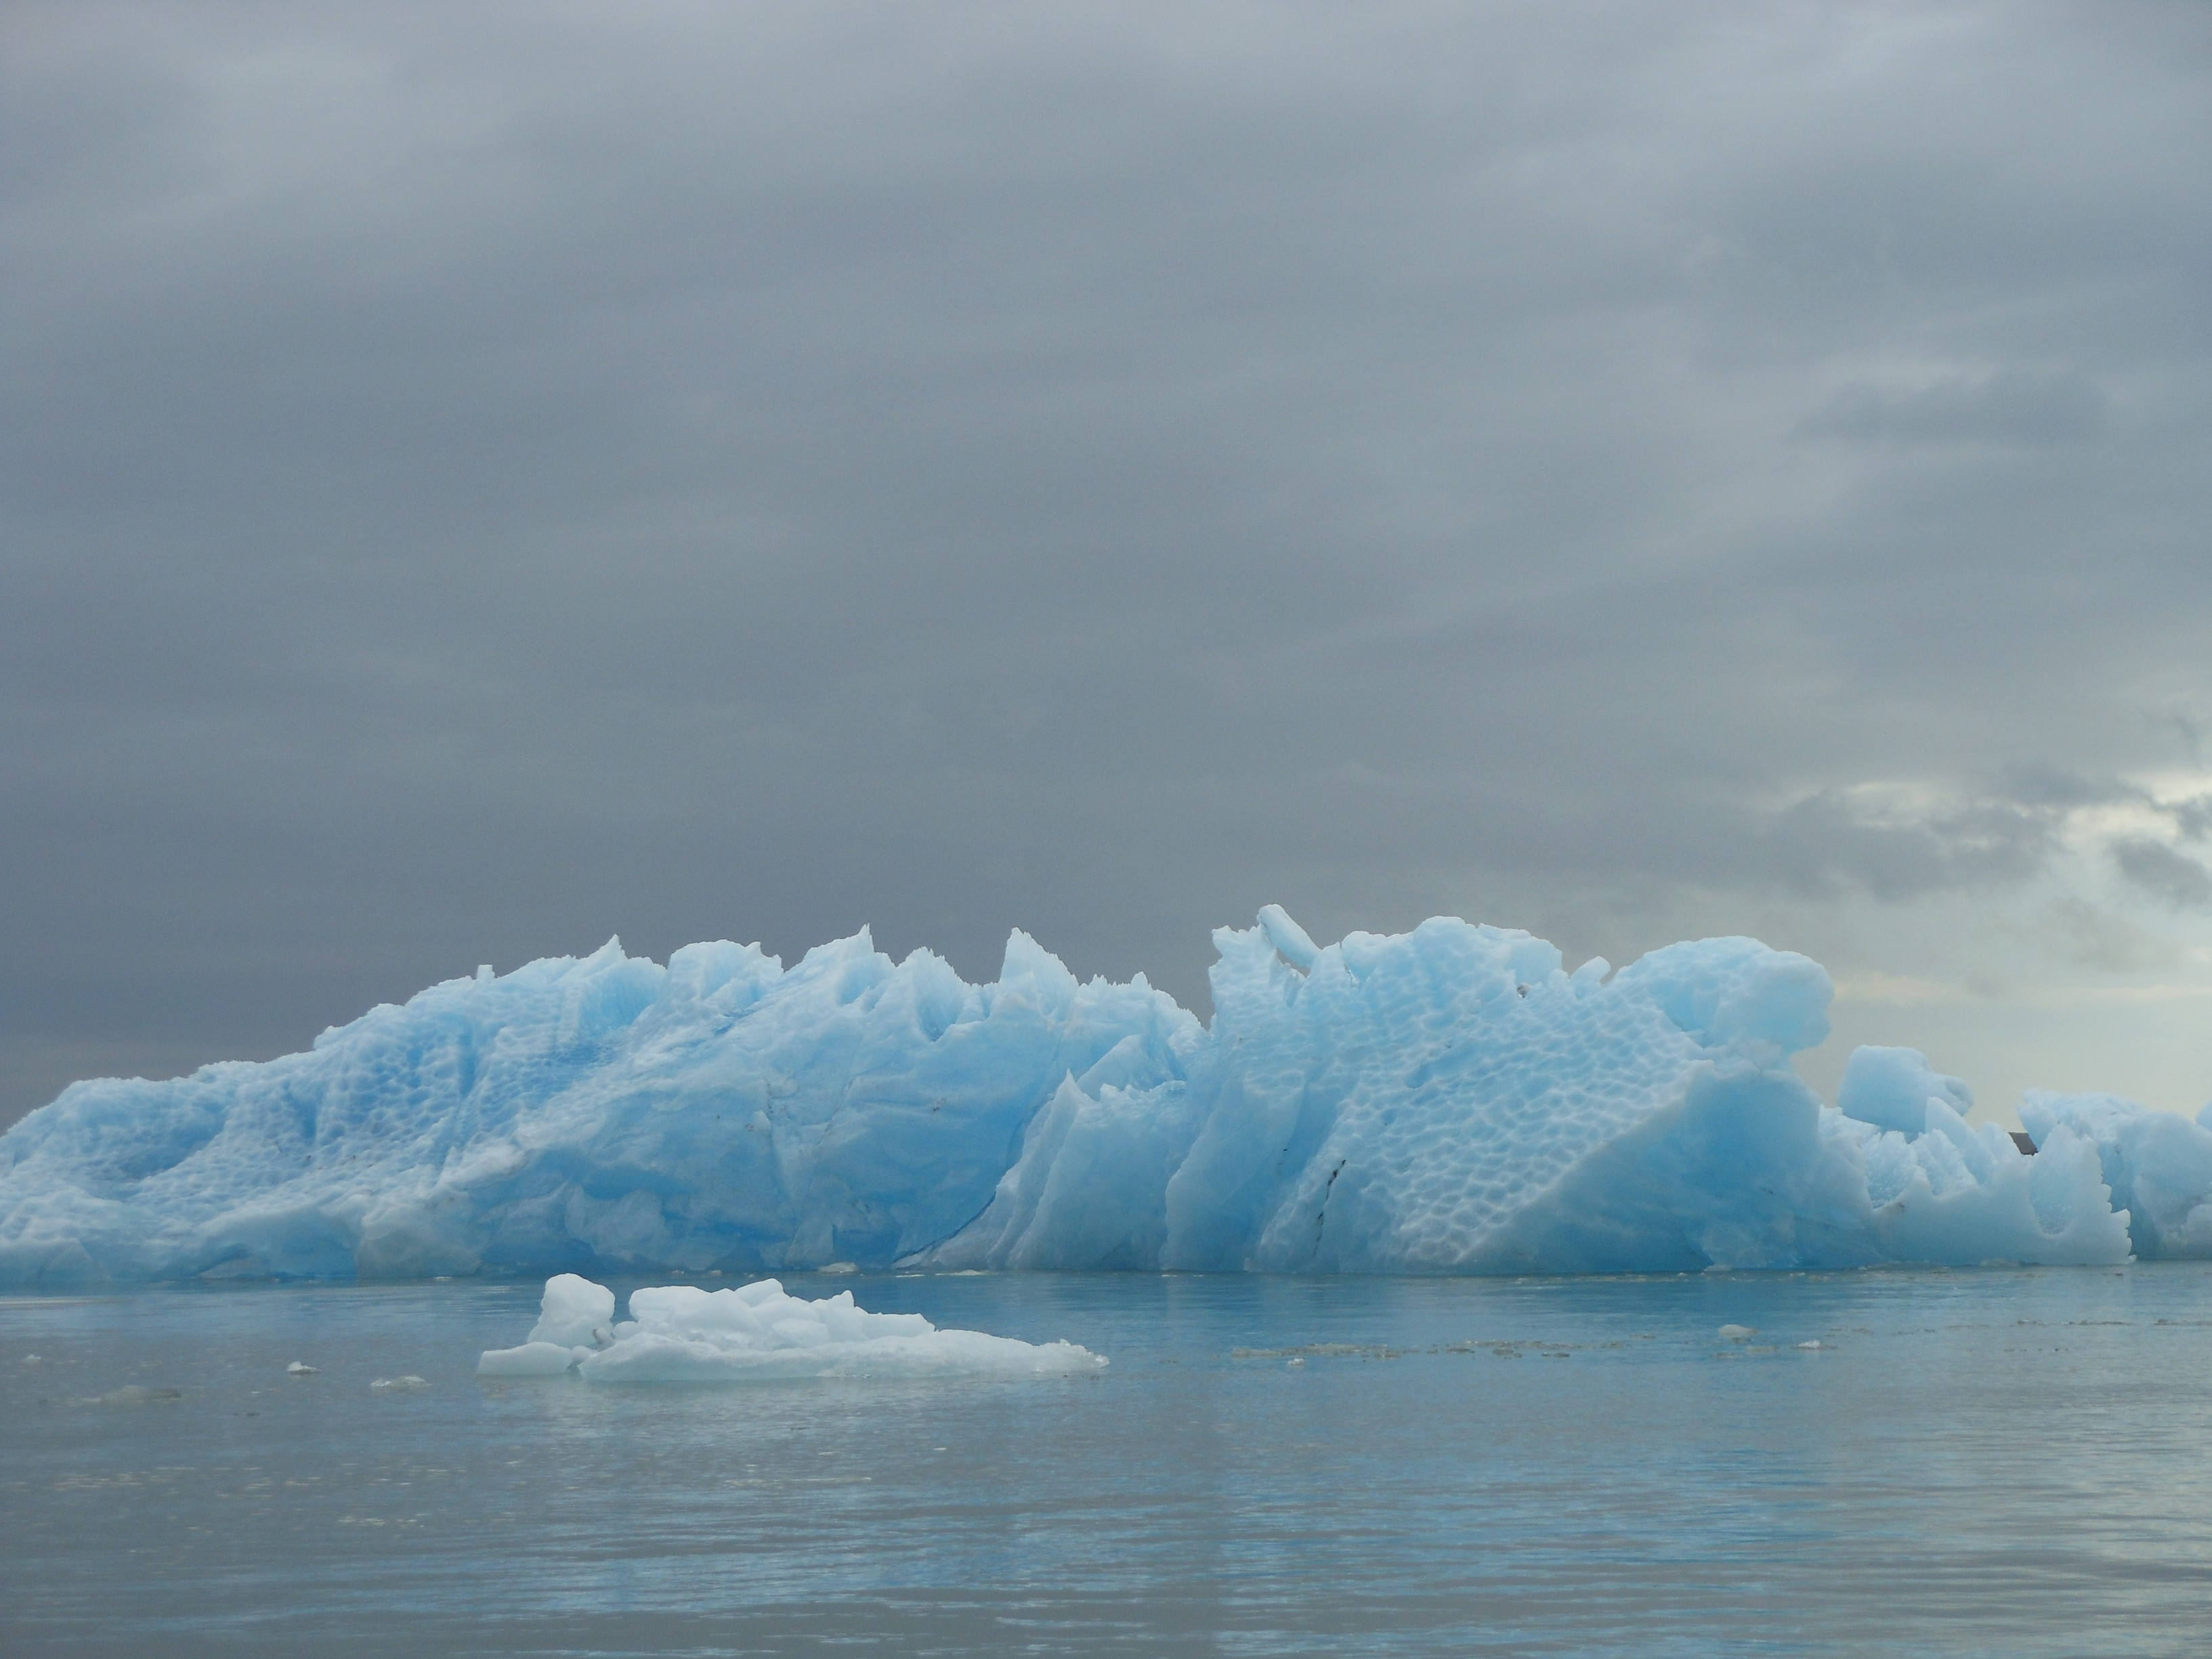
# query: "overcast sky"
(481, 478)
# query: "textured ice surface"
(573, 1313)
(756, 1332)
(1449, 1100)
(2158, 1165)
(1890, 1088)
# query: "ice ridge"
(1449, 1100)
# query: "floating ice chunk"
(530, 1359)
(1890, 1088)
(403, 1384)
(137, 1394)
(575, 1318)
(573, 1313)
(755, 1332)
(299, 1368)
(1739, 1332)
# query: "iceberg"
(756, 1332)
(2158, 1165)
(1451, 1100)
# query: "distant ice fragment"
(136, 1394)
(402, 1383)
(299, 1368)
(755, 1332)
(1739, 1332)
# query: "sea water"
(1987, 1462)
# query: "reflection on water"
(1997, 1461)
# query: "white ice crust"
(756, 1332)
(1449, 1100)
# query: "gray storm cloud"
(480, 480)
(2176, 878)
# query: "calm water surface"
(1989, 1462)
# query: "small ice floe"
(301, 1368)
(136, 1394)
(530, 1359)
(1813, 1344)
(33, 1359)
(755, 1332)
(840, 1268)
(1739, 1332)
(1288, 1363)
(400, 1385)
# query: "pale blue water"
(1990, 1462)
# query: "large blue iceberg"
(1446, 1100)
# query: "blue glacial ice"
(1446, 1100)
(756, 1332)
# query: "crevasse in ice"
(1449, 1100)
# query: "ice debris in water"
(755, 1333)
(1739, 1332)
(404, 1384)
(299, 1368)
(1449, 1100)
(137, 1394)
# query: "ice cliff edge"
(1449, 1100)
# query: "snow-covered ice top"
(756, 1332)
(1449, 1100)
